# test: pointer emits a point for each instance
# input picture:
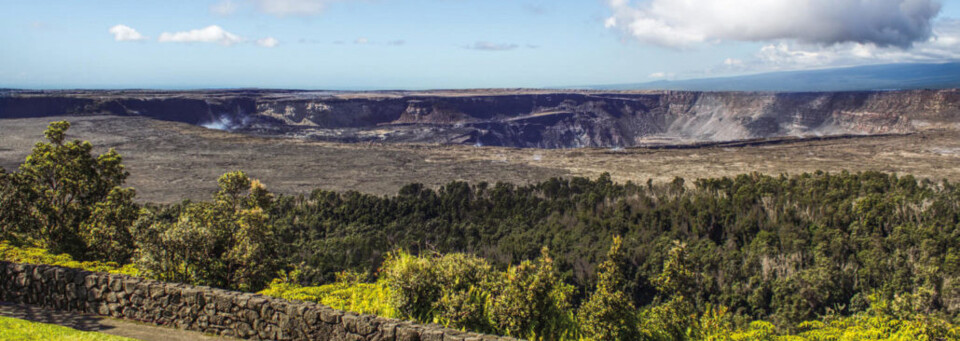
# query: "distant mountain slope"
(872, 77)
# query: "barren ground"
(173, 161)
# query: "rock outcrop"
(521, 118)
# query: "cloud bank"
(942, 46)
(209, 34)
(293, 7)
(125, 33)
(686, 23)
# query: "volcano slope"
(171, 161)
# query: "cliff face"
(518, 119)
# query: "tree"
(107, 232)
(677, 279)
(57, 189)
(227, 243)
(608, 314)
(12, 207)
(672, 316)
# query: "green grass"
(17, 329)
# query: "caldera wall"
(542, 119)
(204, 309)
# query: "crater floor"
(170, 161)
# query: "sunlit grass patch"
(17, 329)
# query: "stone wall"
(205, 309)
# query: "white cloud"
(224, 7)
(685, 23)
(209, 34)
(125, 33)
(361, 41)
(661, 75)
(268, 42)
(942, 46)
(280, 8)
(294, 7)
(488, 46)
(732, 62)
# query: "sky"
(441, 44)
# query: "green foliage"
(674, 319)
(12, 208)
(107, 232)
(346, 294)
(464, 291)
(419, 283)
(22, 330)
(676, 279)
(228, 243)
(447, 288)
(66, 199)
(800, 256)
(530, 300)
(779, 248)
(33, 255)
(608, 314)
(521, 302)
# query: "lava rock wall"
(204, 309)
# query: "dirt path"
(101, 324)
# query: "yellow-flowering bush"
(345, 294)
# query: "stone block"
(406, 332)
(431, 334)
(330, 316)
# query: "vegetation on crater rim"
(819, 256)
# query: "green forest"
(814, 256)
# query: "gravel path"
(101, 324)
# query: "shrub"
(435, 287)
(345, 294)
(608, 314)
(530, 300)
(227, 243)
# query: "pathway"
(102, 324)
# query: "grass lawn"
(17, 329)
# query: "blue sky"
(419, 44)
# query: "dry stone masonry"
(205, 309)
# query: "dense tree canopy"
(67, 199)
(783, 247)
